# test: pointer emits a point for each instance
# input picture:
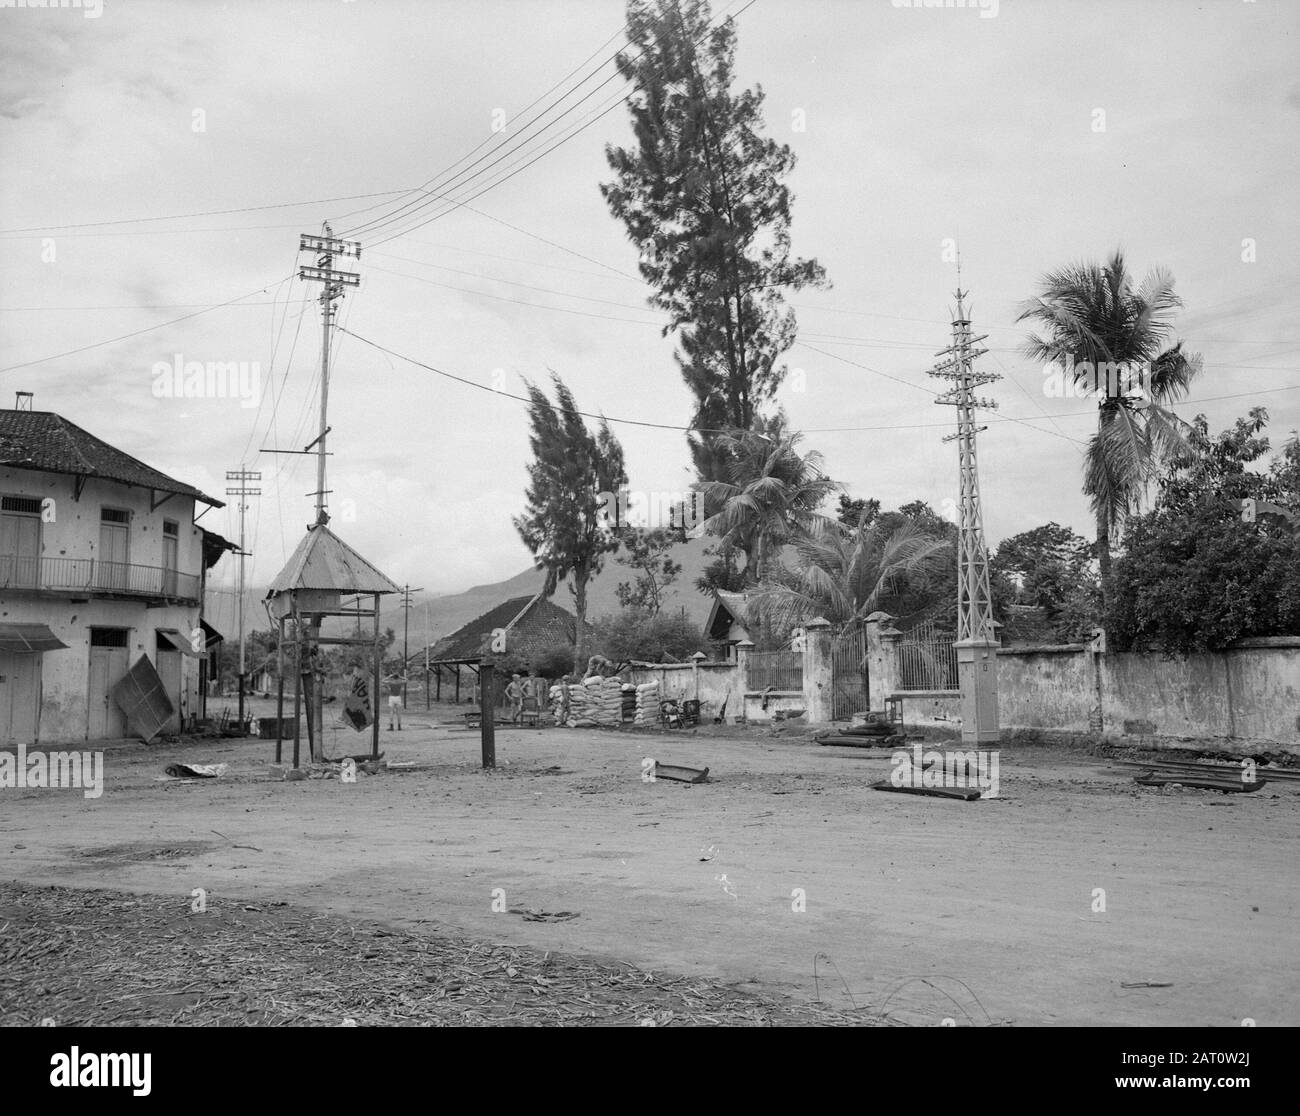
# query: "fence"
(849, 672)
(926, 659)
(779, 670)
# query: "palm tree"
(770, 492)
(844, 573)
(1093, 315)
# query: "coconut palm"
(1092, 314)
(843, 574)
(770, 492)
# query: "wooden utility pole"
(241, 477)
(976, 639)
(406, 630)
(332, 284)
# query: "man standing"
(515, 695)
(396, 684)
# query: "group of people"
(521, 689)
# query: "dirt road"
(785, 874)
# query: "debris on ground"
(680, 774)
(196, 770)
(966, 794)
(531, 915)
(106, 958)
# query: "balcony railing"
(95, 578)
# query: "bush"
(632, 634)
(554, 660)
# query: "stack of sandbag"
(604, 696)
(582, 704)
(647, 704)
(554, 695)
(627, 702)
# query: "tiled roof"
(46, 441)
(531, 623)
(324, 561)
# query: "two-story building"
(101, 563)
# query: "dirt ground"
(785, 877)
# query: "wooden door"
(20, 696)
(109, 661)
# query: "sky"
(160, 159)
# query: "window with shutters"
(20, 541)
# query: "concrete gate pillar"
(818, 679)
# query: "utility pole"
(242, 477)
(406, 629)
(976, 645)
(332, 284)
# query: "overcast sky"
(1048, 132)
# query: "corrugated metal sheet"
(324, 561)
(24, 638)
(143, 698)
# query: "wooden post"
(374, 732)
(458, 683)
(279, 701)
(488, 714)
(297, 683)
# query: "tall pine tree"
(563, 525)
(702, 195)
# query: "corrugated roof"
(46, 441)
(324, 561)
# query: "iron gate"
(849, 672)
(927, 659)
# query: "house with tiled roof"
(518, 629)
(101, 566)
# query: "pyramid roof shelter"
(322, 569)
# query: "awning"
(28, 638)
(171, 639)
(213, 636)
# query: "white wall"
(74, 533)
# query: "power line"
(138, 332)
(455, 204)
(712, 430)
(369, 226)
(204, 213)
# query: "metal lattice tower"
(974, 603)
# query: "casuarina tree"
(572, 470)
(702, 195)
